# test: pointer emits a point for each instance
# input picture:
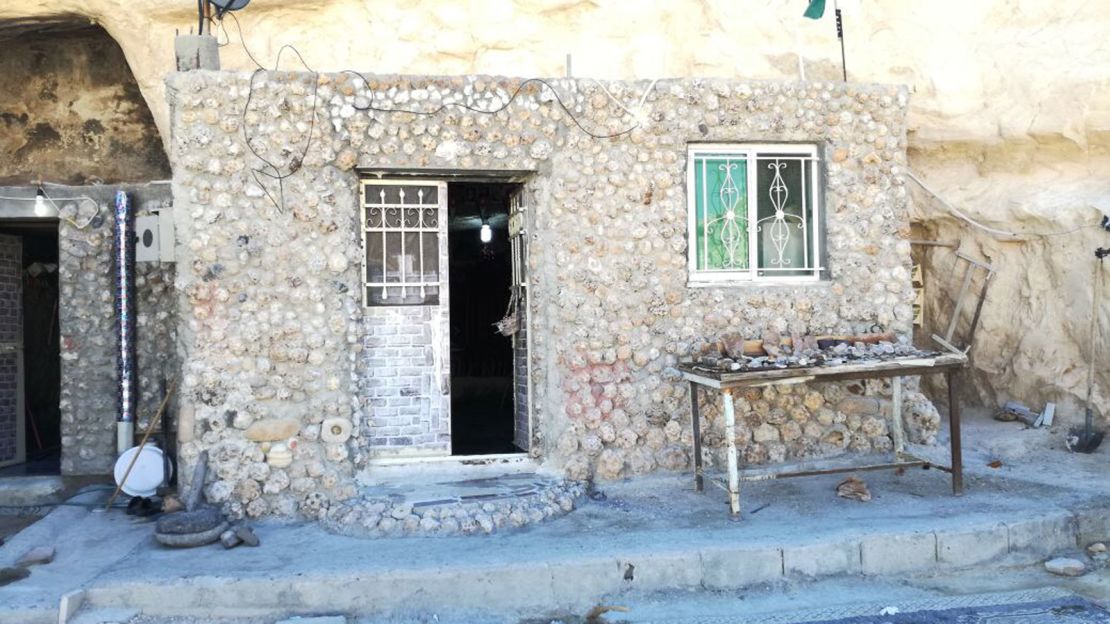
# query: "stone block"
(1093, 525)
(272, 429)
(969, 547)
(652, 571)
(816, 560)
(725, 568)
(576, 582)
(907, 552)
(196, 52)
(1037, 538)
(39, 555)
(1064, 566)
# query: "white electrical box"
(146, 239)
(154, 237)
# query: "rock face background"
(71, 113)
(1009, 119)
(273, 323)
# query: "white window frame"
(812, 198)
(439, 230)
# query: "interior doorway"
(34, 293)
(481, 269)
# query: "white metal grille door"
(11, 350)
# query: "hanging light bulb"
(40, 203)
(486, 233)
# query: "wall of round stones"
(273, 332)
(88, 333)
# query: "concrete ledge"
(31, 491)
(1093, 525)
(964, 548)
(890, 554)
(822, 559)
(574, 579)
(726, 568)
(1037, 538)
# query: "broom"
(1087, 438)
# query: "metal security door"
(522, 404)
(12, 448)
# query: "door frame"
(401, 175)
(20, 389)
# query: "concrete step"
(18, 492)
(574, 583)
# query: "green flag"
(816, 9)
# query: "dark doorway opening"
(41, 351)
(480, 277)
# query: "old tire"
(188, 540)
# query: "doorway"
(481, 285)
(32, 292)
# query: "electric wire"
(1018, 236)
(73, 222)
(273, 172)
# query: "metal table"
(728, 382)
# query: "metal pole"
(840, 35)
(125, 315)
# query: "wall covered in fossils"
(269, 277)
(87, 324)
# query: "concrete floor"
(675, 539)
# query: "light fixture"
(41, 210)
(486, 233)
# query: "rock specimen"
(1065, 566)
(38, 555)
(853, 488)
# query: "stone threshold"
(457, 500)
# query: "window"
(401, 236)
(754, 213)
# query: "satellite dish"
(223, 6)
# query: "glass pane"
(374, 257)
(785, 217)
(721, 205)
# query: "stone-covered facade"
(278, 352)
(88, 331)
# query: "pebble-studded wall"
(269, 265)
(87, 324)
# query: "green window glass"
(784, 215)
(721, 212)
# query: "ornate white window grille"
(402, 235)
(754, 213)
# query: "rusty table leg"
(696, 420)
(733, 455)
(954, 431)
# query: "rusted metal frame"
(733, 455)
(979, 308)
(964, 287)
(699, 485)
(771, 476)
(896, 432)
(954, 434)
(949, 368)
